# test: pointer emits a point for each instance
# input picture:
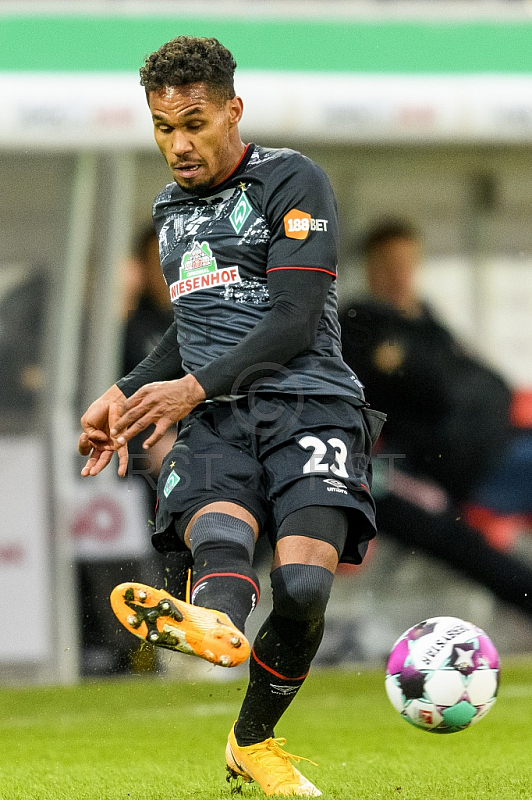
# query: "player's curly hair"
(190, 59)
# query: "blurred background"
(418, 109)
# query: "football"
(443, 675)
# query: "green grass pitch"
(151, 739)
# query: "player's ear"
(236, 109)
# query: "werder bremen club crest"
(240, 213)
(197, 261)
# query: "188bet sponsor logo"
(298, 224)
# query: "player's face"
(197, 133)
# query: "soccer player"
(275, 434)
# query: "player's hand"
(96, 441)
(161, 404)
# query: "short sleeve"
(300, 210)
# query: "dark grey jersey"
(276, 211)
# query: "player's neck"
(238, 154)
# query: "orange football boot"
(160, 619)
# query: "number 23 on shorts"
(315, 463)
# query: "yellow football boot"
(160, 619)
(269, 765)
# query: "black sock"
(223, 579)
(279, 663)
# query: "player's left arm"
(297, 298)
(300, 208)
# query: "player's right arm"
(162, 364)
(95, 441)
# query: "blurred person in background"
(448, 420)
(449, 412)
(148, 308)
(22, 328)
(276, 435)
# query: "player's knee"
(301, 591)
(217, 531)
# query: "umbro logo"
(284, 690)
(333, 482)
